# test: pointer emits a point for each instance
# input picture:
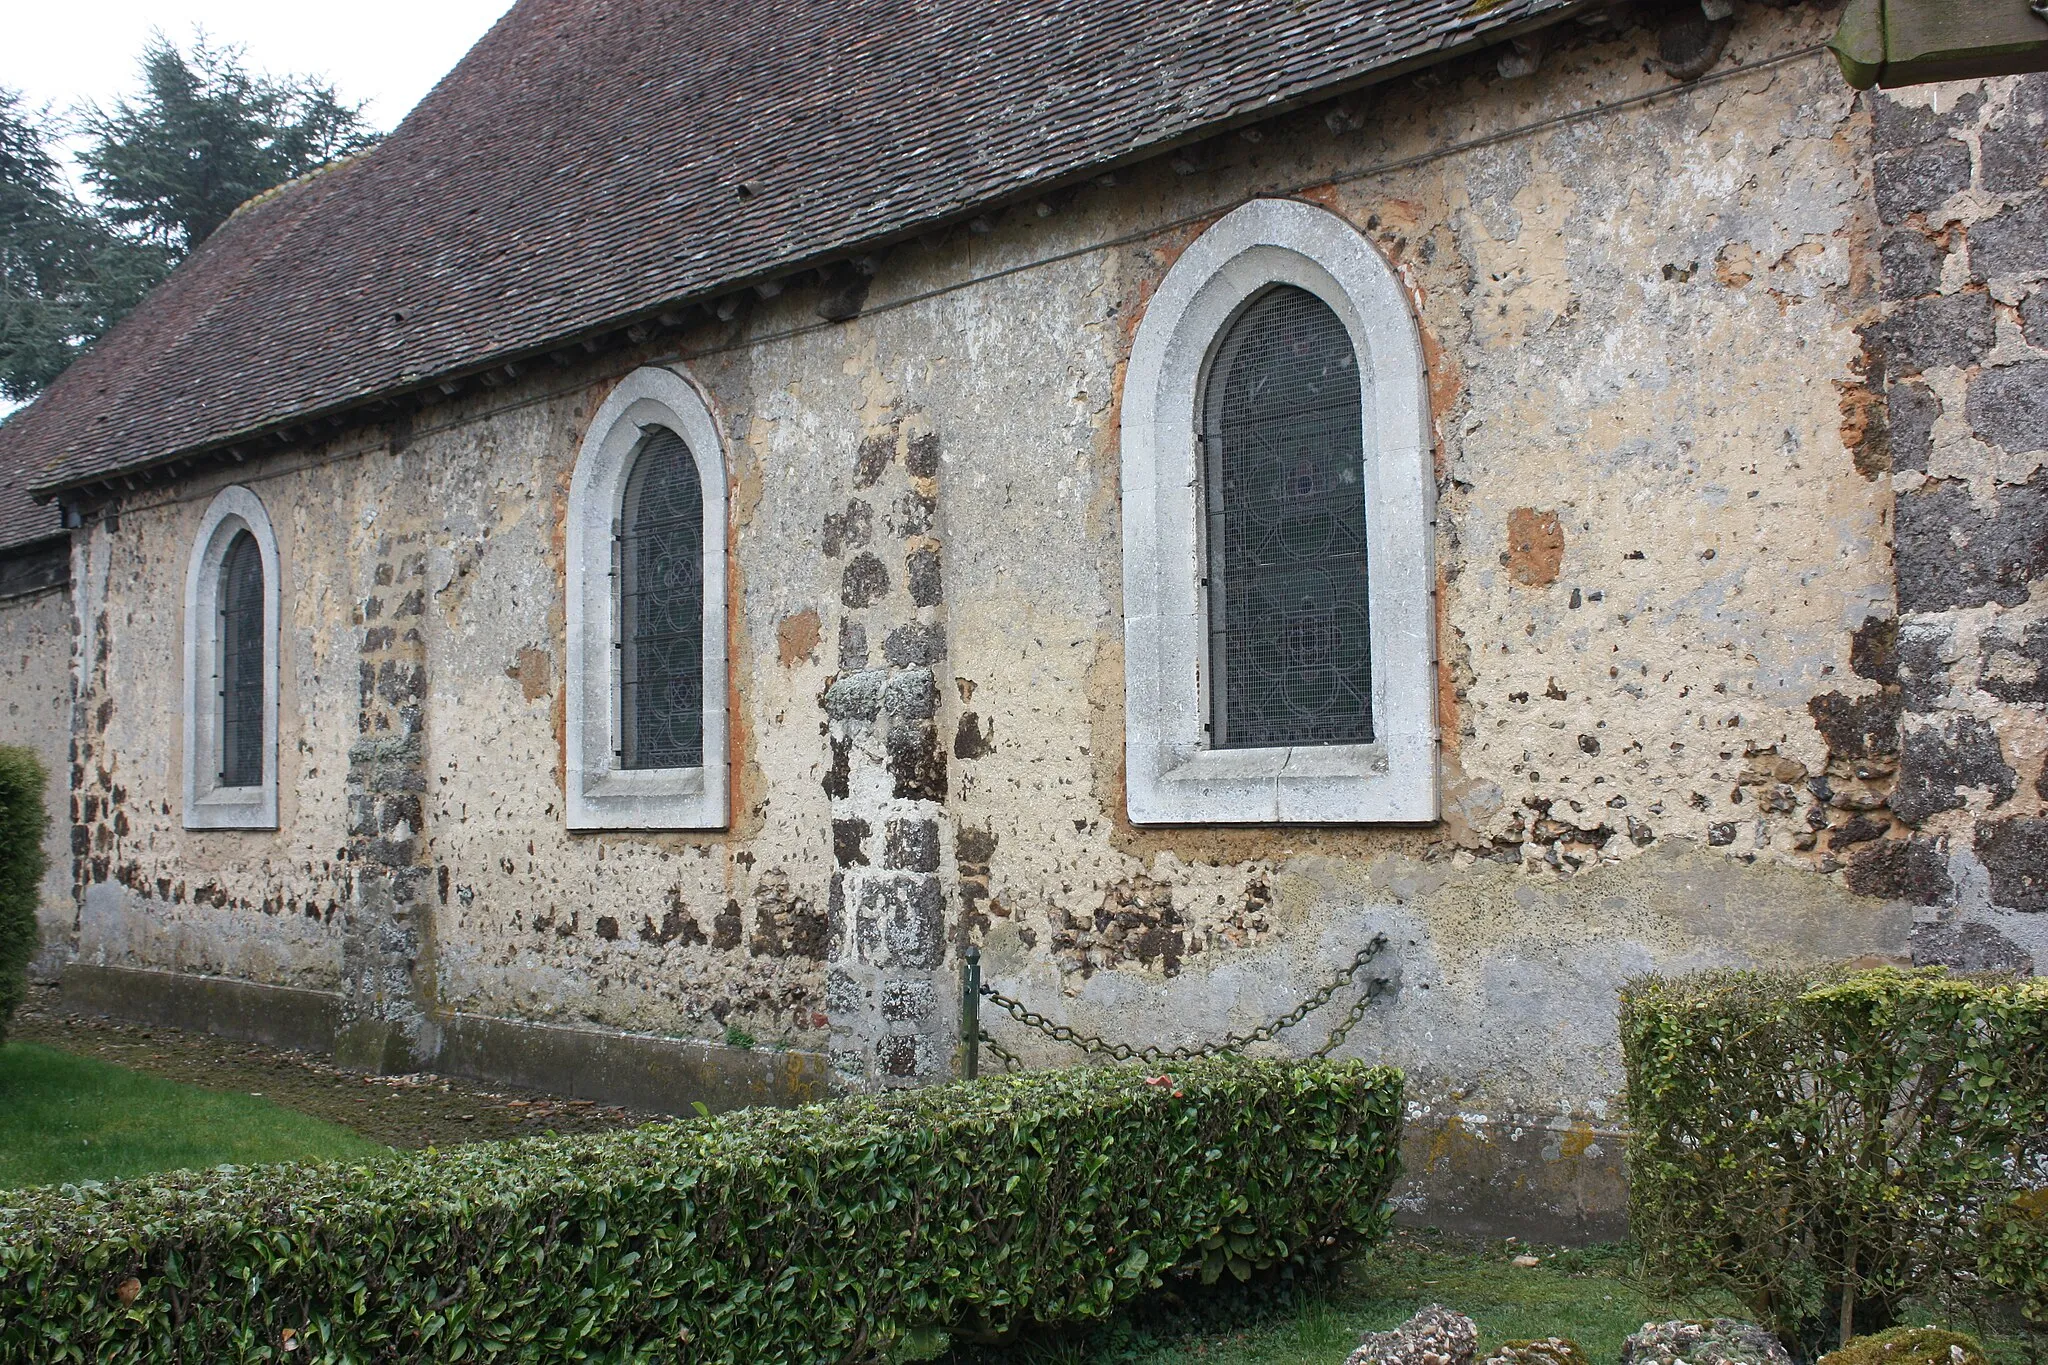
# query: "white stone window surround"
(601, 794)
(1172, 776)
(208, 804)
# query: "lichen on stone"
(1909, 1346)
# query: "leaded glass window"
(241, 663)
(660, 561)
(1283, 444)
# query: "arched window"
(661, 607)
(231, 667)
(1279, 523)
(646, 612)
(1283, 443)
(239, 668)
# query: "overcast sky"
(387, 52)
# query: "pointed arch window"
(231, 667)
(646, 647)
(1278, 528)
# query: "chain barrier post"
(970, 1013)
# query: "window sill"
(1382, 783)
(654, 798)
(233, 808)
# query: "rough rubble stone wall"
(892, 1006)
(35, 713)
(1961, 352)
(387, 934)
(1666, 615)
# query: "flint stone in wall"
(1857, 727)
(1943, 329)
(2015, 665)
(1911, 409)
(912, 694)
(2016, 144)
(917, 762)
(913, 645)
(1937, 762)
(1912, 264)
(1968, 946)
(900, 922)
(1919, 178)
(857, 697)
(865, 582)
(2034, 318)
(1951, 554)
(911, 846)
(2013, 243)
(2015, 852)
(1923, 672)
(1914, 870)
(1896, 127)
(909, 1002)
(2008, 406)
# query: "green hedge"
(1826, 1143)
(2015, 1260)
(820, 1234)
(22, 820)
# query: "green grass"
(1588, 1296)
(68, 1118)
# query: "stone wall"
(1672, 664)
(1961, 352)
(35, 713)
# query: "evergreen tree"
(48, 242)
(165, 170)
(205, 136)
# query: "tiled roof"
(583, 165)
(23, 522)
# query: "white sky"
(386, 52)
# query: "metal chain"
(1232, 1042)
(1010, 1060)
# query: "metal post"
(970, 1013)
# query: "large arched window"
(231, 667)
(1279, 518)
(646, 613)
(1283, 444)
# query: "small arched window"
(240, 664)
(231, 667)
(647, 681)
(1284, 453)
(661, 607)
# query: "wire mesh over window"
(1284, 444)
(241, 663)
(661, 607)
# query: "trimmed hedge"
(822, 1234)
(22, 819)
(1826, 1143)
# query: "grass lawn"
(1587, 1295)
(68, 1118)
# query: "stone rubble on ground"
(1434, 1336)
(1722, 1341)
(1547, 1351)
